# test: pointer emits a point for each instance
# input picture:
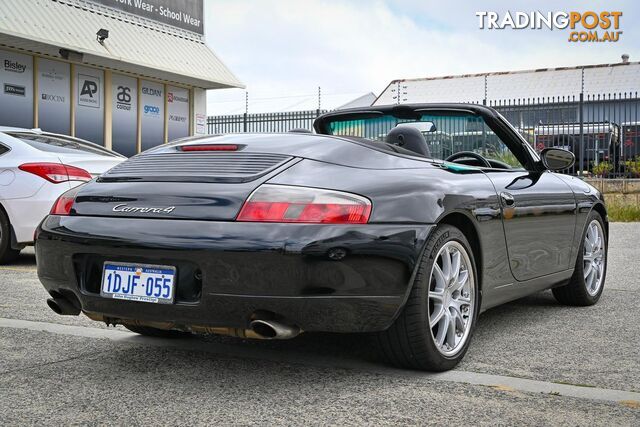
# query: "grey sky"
(284, 49)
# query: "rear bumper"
(340, 278)
(26, 213)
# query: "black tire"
(158, 333)
(7, 254)
(409, 342)
(575, 293)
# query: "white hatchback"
(35, 168)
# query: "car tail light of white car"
(56, 172)
(280, 203)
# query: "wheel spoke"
(437, 316)
(451, 332)
(458, 319)
(588, 270)
(446, 265)
(463, 278)
(436, 296)
(455, 266)
(442, 329)
(598, 244)
(590, 279)
(441, 281)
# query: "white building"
(126, 75)
(568, 82)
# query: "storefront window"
(53, 96)
(178, 112)
(16, 90)
(124, 110)
(152, 104)
(89, 99)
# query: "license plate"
(138, 282)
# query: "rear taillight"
(56, 172)
(64, 204)
(280, 203)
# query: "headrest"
(408, 138)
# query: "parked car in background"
(36, 167)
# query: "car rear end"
(211, 237)
(43, 166)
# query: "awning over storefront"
(134, 45)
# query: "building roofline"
(500, 73)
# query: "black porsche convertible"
(404, 221)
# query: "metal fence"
(603, 131)
(263, 122)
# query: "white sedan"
(35, 168)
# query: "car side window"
(455, 134)
(3, 149)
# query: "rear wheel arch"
(468, 228)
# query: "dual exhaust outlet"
(261, 329)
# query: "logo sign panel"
(185, 14)
(16, 93)
(89, 91)
(124, 110)
(178, 112)
(14, 89)
(54, 103)
(152, 104)
(89, 94)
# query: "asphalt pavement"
(531, 362)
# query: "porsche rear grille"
(206, 167)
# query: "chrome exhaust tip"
(272, 330)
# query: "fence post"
(581, 113)
(244, 122)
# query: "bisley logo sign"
(14, 66)
(89, 96)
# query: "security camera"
(102, 35)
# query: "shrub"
(602, 168)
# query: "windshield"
(61, 145)
(445, 134)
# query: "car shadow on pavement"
(26, 259)
(354, 348)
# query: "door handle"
(507, 199)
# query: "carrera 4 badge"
(141, 209)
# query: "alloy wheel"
(451, 298)
(593, 257)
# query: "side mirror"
(557, 159)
